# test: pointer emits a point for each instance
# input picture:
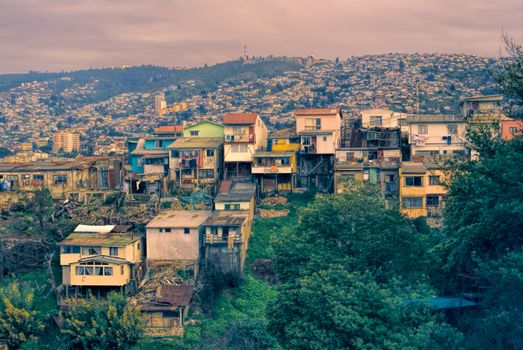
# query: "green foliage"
(41, 206)
(110, 324)
(344, 271)
(484, 210)
(21, 318)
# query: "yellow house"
(101, 258)
(422, 190)
(276, 169)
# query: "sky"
(55, 35)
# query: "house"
(174, 238)
(149, 160)
(319, 129)
(99, 259)
(227, 235)
(422, 190)
(236, 195)
(320, 134)
(196, 162)
(203, 129)
(165, 309)
(275, 170)
(381, 118)
(481, 106)
(437, 134)
(245, 134)
(79, 178)
(511, 128)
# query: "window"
(375, 120)
(312, 124)
(113, 251)
(94, 269)
(90, 250)
(186, 231)
(513, 130)
(235, 206)
(210, 153)
(413, 181)
(138, 246)
(175, 154)
(195, 132)
(349, 156)
(206, 174)
(452, 129)
(121, 270)
(324, 138)
(459, 153)
(108, 271)
(434, 180)
(432, 201)
(71, 249)
(165, 230)
(158, 144)
(98, 271)
(423, 129)
(60, 179)
(38, 177)
(413, 202)
(79, 270)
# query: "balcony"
(274, 169)
(240, 138)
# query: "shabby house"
(99, 259)
(174, 240)
(196, 162)
(79, 178)
(244, 135)
(320, 133)
(422, 190)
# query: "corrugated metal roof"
(227, 218)
(106, 239)
(197, 142)
(237, 192)
(94, 228)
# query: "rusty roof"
(175, 295)
(317, 111)
(237, 191)
(227, 218)
(105, 239)
(240, 118)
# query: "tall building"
(66, 141)
(159, 104)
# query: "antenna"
(245, 51)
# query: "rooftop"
(483, 98)
(318, 111)
(168, 129)
(197, 142)
(240, 118)
(179, 218)
(435, 118)
(227, 218)
(104, 239)
(236, 191)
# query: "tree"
(41, 206)
(483, 210)
(110, 324)
(510, 74)
(21, 320)
(345, 271)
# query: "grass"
(250, 299)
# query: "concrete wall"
(174, 245)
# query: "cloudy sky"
(71, 34)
